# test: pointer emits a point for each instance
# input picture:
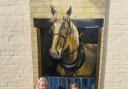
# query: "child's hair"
(74, 85)
(40, 80)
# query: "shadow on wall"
(105, 39)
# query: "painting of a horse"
(75, 58)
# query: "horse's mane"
(75, 33)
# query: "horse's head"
(60, 30)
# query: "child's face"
(43, 85)
(74, 88)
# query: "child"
(74, 86)
(42, 84)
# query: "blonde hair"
(40, 80)
(75, 85)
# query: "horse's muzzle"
(55, 54)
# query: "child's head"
(42, 84)
(74, 86)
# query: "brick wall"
(16, 70)
(15, 45)
(115, 74)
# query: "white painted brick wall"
(116, 47)
(15, 45)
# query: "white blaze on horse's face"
(59, 30)
(54, 51)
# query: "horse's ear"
(69, 11)
(53, 11)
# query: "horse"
(74, 58)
